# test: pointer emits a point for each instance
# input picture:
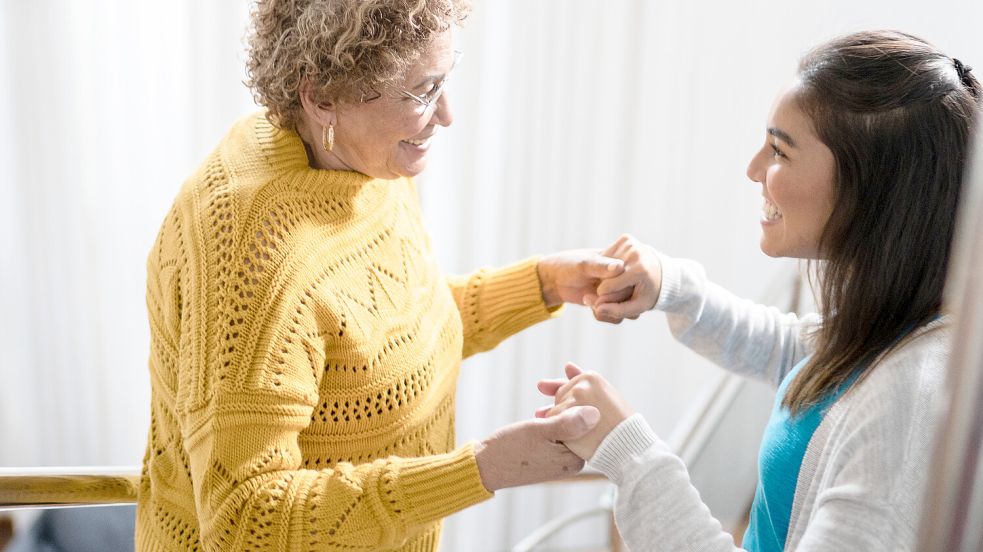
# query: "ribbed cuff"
(514, 294)
(629, 439)
(438, 486)
(669, 294)
(505, 301)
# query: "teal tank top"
(783, 447)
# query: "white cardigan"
(863, 474)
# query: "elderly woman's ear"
(319, 113)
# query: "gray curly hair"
(343, 48)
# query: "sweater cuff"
(438, 486)
(510, 300)
(669, 294)
(628, 440)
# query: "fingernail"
(613, 266)
(586, 301)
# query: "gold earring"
(327, 137)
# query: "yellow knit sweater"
(304, 358)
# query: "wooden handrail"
(22, 488)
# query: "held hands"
(633, 290)
(620, 282)
(585, 389)
(532, 451)
(570, 276)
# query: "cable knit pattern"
(304, 358)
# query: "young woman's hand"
(533, 451)
(569, 276)
(582, 389)
(633, 291)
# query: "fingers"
(620, 311)
(549, 387)
(599, 266)
(614, 297)
(544, 411)
(617, 284)
(618, 245)
(609, 319)
(564, 390)
(572, 370)
(571, 424)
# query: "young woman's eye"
(776, 151)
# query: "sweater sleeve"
(657, 507)
(737, 334)
(497, 303)
(252, 493)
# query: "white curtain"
(575, 121)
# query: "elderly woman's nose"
(443, 115)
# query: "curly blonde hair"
(344, 48)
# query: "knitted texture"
(304, 357)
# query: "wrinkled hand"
(635, 290)
(532, 451)
(582, 389)
(569, 276)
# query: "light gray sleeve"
(737, 334)
(657, 507)
(868, 484)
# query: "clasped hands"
(620, 282)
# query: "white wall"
(575, 121)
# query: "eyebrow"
(781, 135)
(429, 79)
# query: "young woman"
(860, 172)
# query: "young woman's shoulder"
(900, 395)
(914, 368)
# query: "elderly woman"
(305, 347)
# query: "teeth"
(416, 142)
(770, 212)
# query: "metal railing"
(22, 488)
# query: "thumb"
(572, 424)
(599, 266)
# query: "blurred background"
(575, 121)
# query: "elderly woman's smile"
(387, 136)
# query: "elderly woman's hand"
(585, 389)
(570, 276)
(532, 451)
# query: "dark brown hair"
(897, 114)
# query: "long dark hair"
(897, 114)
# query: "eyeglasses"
(428, 98)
